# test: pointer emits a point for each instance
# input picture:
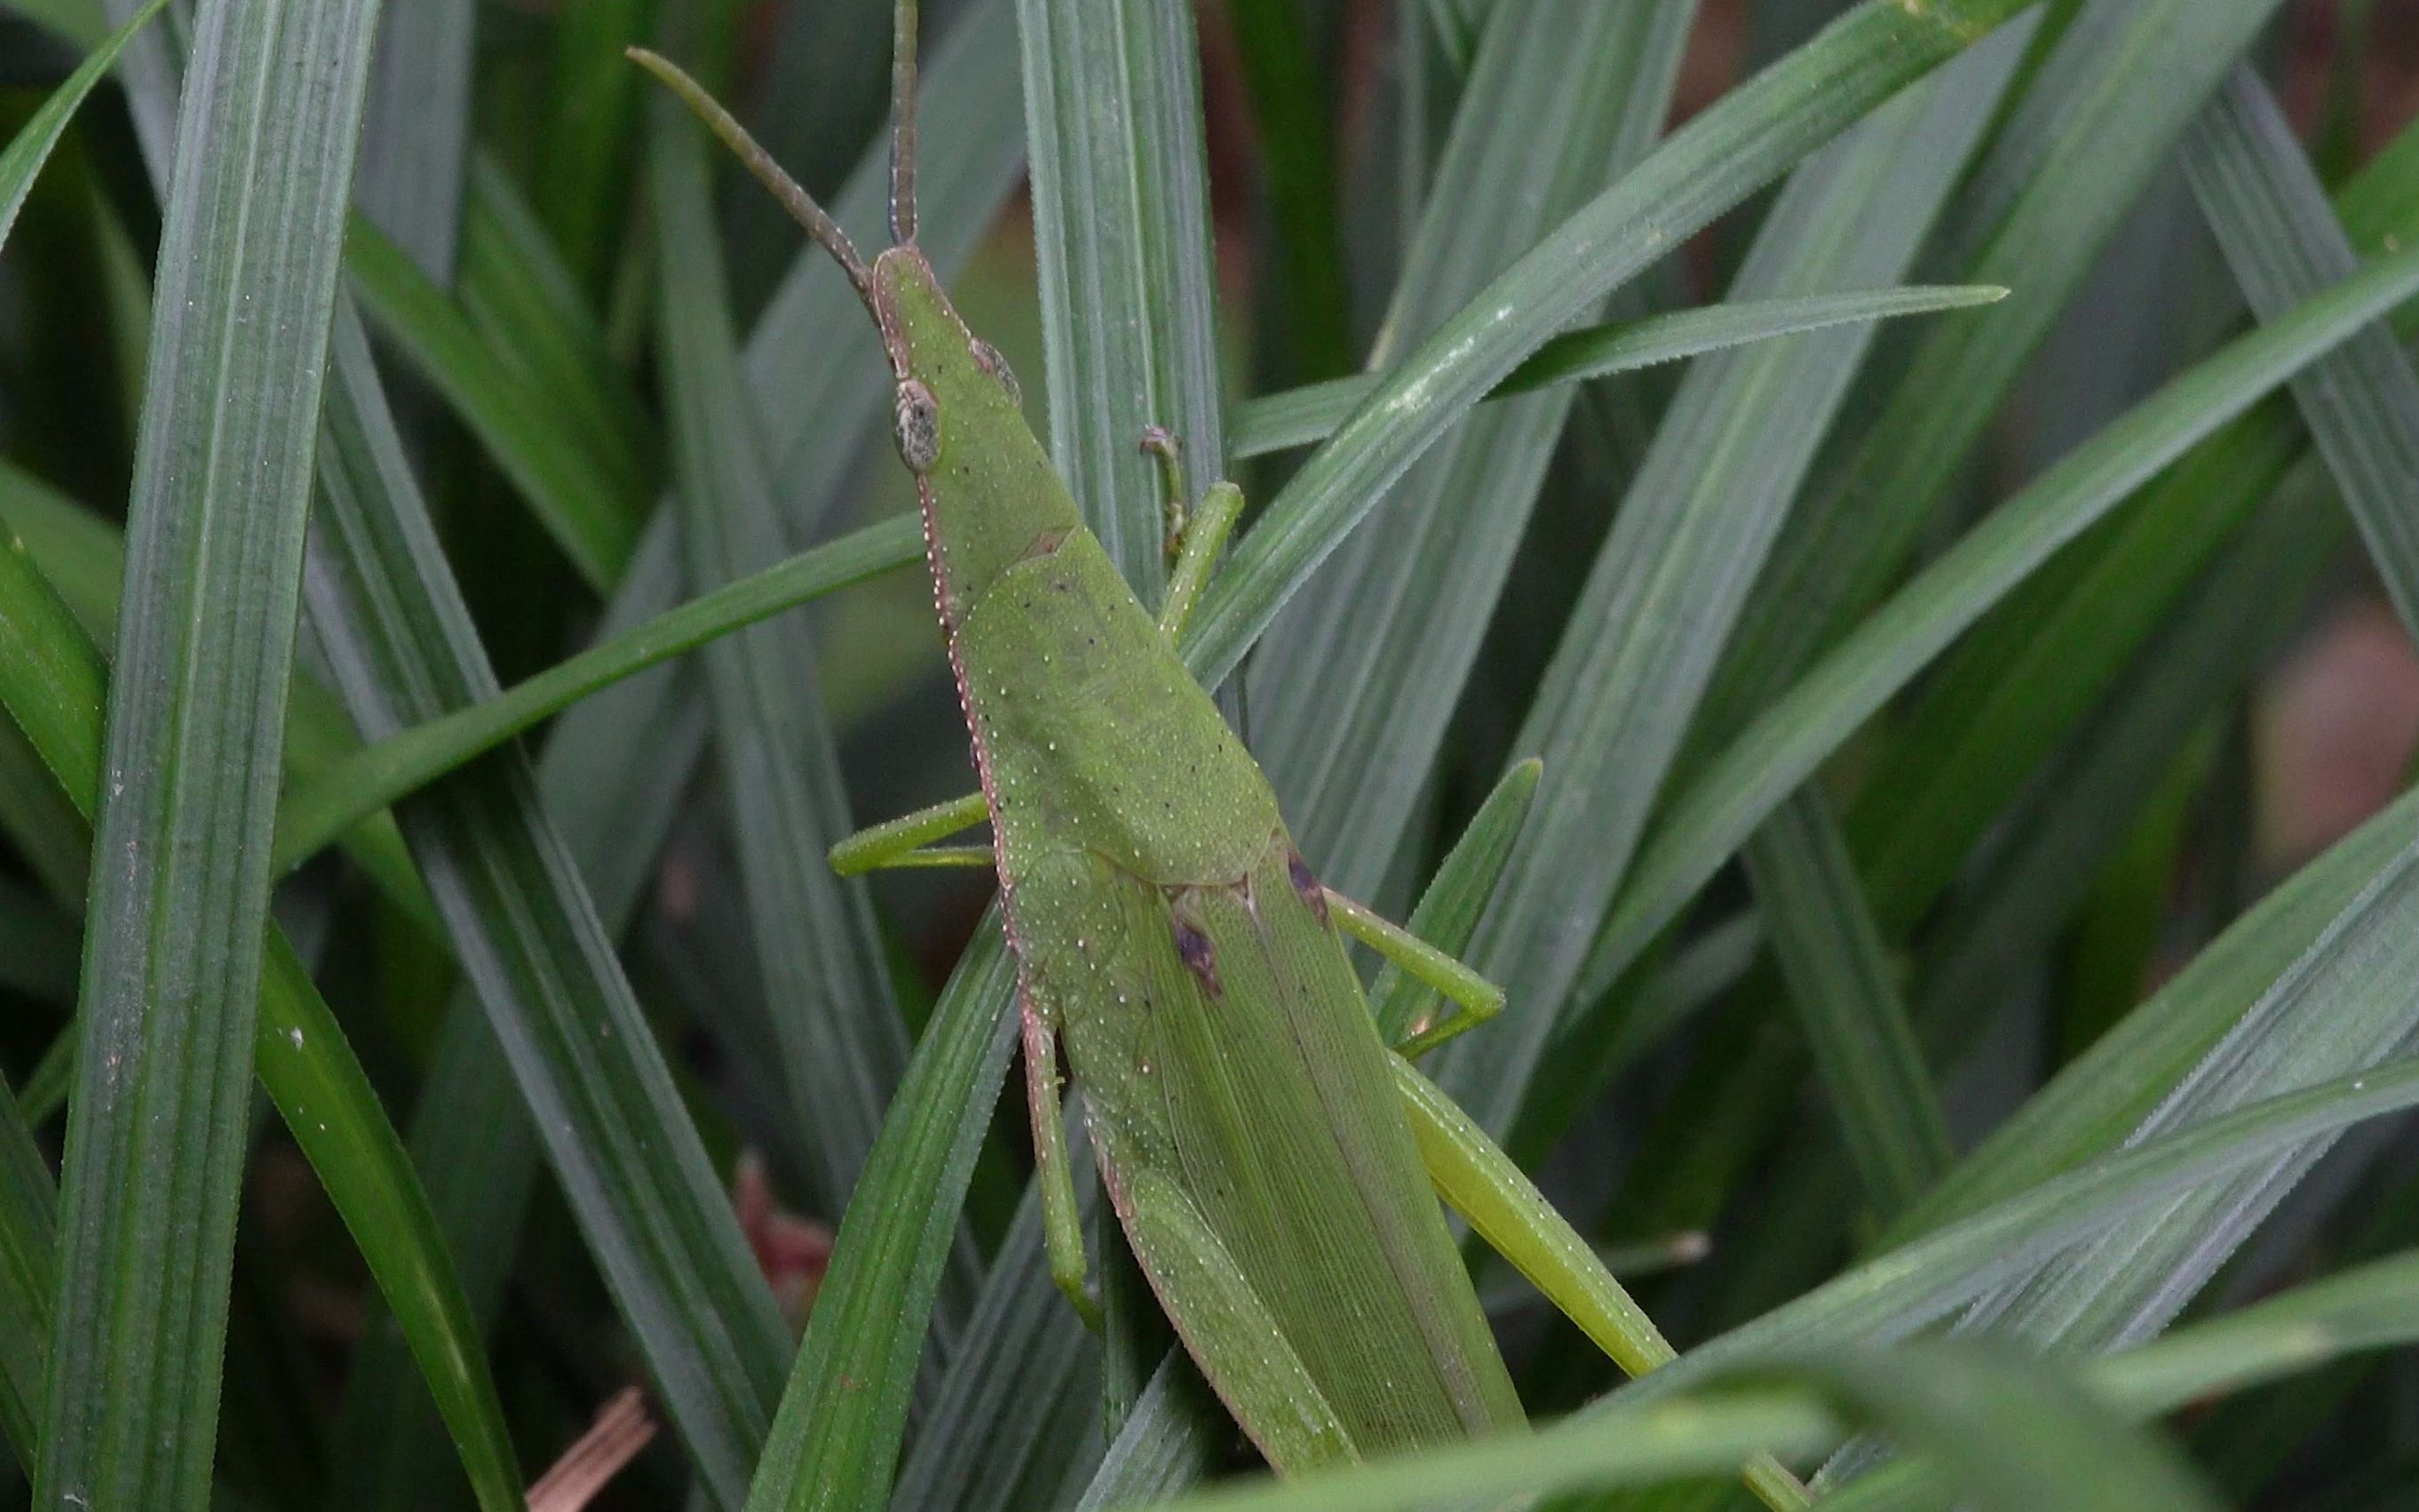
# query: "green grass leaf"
(1122, 232)
(384, 771)
(1754, 134)
(1785, 743)
(1305, 416)
(180, 889)
(31, 147)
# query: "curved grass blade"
(1783, 746)
(52, 682)
(31, 147)
(1448, 911)
(385, 771)
(180, 883)
(835, 1444)
(589, 499)
(1754, 134)
(1308, 415)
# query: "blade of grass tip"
(1783, 746)
(1447, 912)
(416, 133)
(1121, 233)
(1355, 683)
(1749, 137)
(1842, 983)
(29, 1203)
(2074, 156)
(835, 1016)
(378, 774)
(590, 504)
(516, 288)
(1675, 573)
(53, 681)
(31, 147)
(621, 1142)
(1307, 415)
(181, 881)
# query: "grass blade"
(1754, 134)
(31, 147)
(29, 1205)
(589, 499)
(172, 973)
(1672, 575)
(1305, 416)
(835, 1018)
(601, 1095)
(1781, 747)
(1121, 230)
(415, 137)
(1841, 982)
(54, 687)
(1356, 683)
(385, 771)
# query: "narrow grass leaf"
(1308, 415)
(2280, 235)
(1749, 137)
(31, 147)
(1121, 231)
(1674, 573)
(1448, 911)
(2073, 156)
(1782, 747)
(836, 1442)
(52, 682)
(526, 932)
(589, 502)
(415, 134)
(180, 882)
(835, 1017)
(1290, 106)
(378, 774)
(1356, 683)
(1842, 983)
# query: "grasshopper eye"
(917, 423)
(987, 357)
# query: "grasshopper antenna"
(902, 125)
(801, 204)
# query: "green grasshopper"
(1268, 1157)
